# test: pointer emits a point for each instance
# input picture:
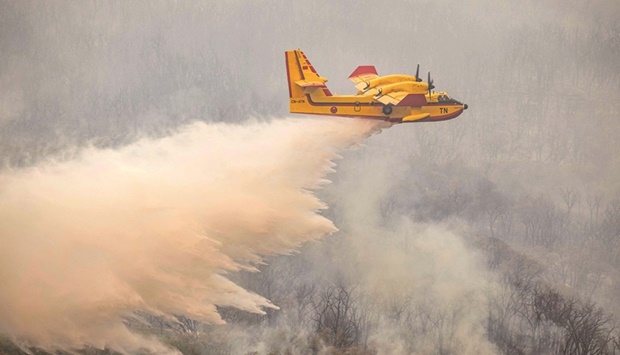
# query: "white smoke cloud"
(425, 285)
(430, 286)
(156, 226)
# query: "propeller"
(417, 74)
(430, 83)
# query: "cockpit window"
(444, 98)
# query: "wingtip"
(364, 70)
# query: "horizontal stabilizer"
(416, 117)
(308, 84)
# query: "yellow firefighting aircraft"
(394, 98)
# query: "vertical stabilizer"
(303, 80)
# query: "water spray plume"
(156, 226)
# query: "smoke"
(426, 287)
(415, 288)
(155, 226)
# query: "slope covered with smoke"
(425, 286)
(380, 285)
(155, 226)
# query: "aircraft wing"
(402, 98)
(362, 74)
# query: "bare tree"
(586, 330)
(304, 295)
(594, 205)
(570, 197)
(337, 317)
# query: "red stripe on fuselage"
(383, 118)
(339, 103)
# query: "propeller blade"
(430, 83)
(417, 74)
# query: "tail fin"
(303, 78)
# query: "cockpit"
(441, 98)
(444, 98)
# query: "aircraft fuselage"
(395, 98)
